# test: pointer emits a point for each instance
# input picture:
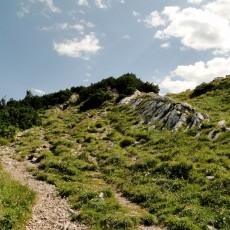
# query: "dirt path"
(50, 212)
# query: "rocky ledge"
(163, 112)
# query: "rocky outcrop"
(163, 112)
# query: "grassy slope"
(16, 203)
(181, 180)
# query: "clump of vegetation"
(177, 180)
(94, 95)
(16, 202)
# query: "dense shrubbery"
(202, 89)
(95, 100)
(23, 114)
(12, 118)
(215, 85)
(97, 93)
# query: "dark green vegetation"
(180, 180)
(23, 114)
(16, 202)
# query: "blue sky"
(48, 45)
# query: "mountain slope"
(178, 180)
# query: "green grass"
(16, 203)
(180, 180)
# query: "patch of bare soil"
(50, 210)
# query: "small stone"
(221, 124)
(211, 227)
(213, 135)
(69, 226)
(101, 195)
(210, 177)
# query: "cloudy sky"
(48, 45)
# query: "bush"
(174, 169)
(118, 221)
(180, 223)
(126, 142)
(149, 220)
(202, 89)
(95, 100)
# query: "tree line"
(23, 114)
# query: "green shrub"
(118, 221)
(148, 220)
(182, 223)
(179, 170)
(126, 142)
(202, 89)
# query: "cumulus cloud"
(204, 28)
(154, 19)
(220, 8)
(199, 29)
(76, 48)
(168, 85)
(188, 77)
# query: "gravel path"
(50, 212)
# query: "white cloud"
(165, 45)
(175, 86)
(23, 11)
(100, 4)
(38, 91)
(87, 23)
(171, 12)
(199, 29)
(220, 8)
(127, 36)
(195, 1)
(136, 14)
(83, 2)
(80, 28)
(51, 6)
(64, 26)
(188, 77)
(154, 20)
(79, 48)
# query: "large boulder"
(165, 113)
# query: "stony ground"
(50, 210)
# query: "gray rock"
(221, 124)
(210, 177)
(164, 112)
(213, 135)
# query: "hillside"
(132, 162)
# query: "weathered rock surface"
(165, 113)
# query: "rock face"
(166, 113)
